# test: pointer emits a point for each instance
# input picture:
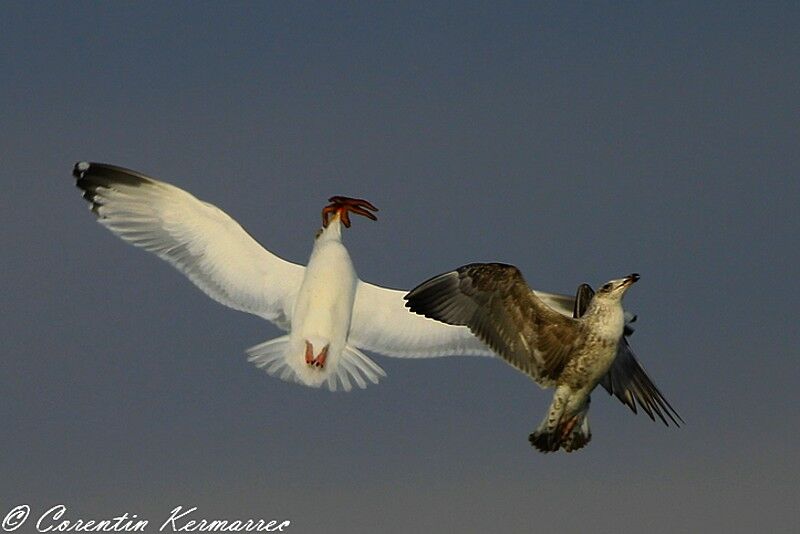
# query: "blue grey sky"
(580, 142)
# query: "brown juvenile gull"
(571, 354)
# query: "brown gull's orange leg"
(568, 426)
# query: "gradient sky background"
(580, 143)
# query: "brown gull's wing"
(626, 379)
(495, 302)
(583, 297)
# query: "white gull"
(330, 315)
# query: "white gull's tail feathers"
(353, 366)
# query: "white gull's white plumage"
(330, 314)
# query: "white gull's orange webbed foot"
(309, 353)
(342, 206)
(317, 361)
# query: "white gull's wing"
(381, 323)
(563, 304)
(199, 239)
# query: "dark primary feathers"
(496, 303)
(628, 381)
(90, 176)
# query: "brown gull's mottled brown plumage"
(571, 354)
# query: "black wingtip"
(105, 174)
(88, 187)
(89, 176)
(80, 168)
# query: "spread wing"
(493, 300)
(381, 323)
(626, 379)
(197, 238)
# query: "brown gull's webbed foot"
(343, 206)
